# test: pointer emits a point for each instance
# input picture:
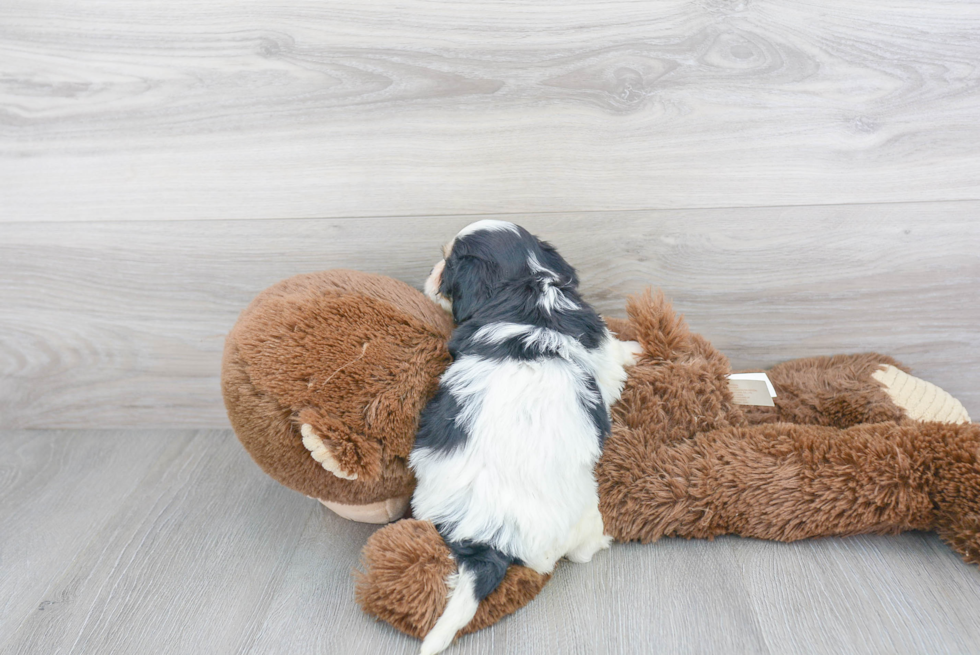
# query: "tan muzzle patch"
(383, 511)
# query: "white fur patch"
(432, 284)
(488, 225)
(608, 362)
(551, 298)
(459, 611)
(524, 477)
(588, 537)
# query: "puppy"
(506, 449)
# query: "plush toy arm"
(787, 482)
(846, 390)
(403, 581)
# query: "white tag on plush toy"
(762, 377)
(752, 389)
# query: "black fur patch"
(462, 342)
(438, 429)
(487, 564)
(598, 411)
(489, 279)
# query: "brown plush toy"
(325, 374)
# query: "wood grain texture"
(174, 542)
(176, 568)
(57, 492)
(177, 109)
(121, 324)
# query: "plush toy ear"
(471, 283)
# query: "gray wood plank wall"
(801, 179)
(122, 323)
(164, 109)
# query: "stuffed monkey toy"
(325, 374)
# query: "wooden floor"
(174, 542)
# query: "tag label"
(755, 376)
(752, 389)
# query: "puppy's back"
(520, 469)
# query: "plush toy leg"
(846, 390)
(787, 482)
(405, 569)
(838, 391)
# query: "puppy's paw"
(322, 454)
(584, 552)
(631, 351)
(589, 537)
(545, 562)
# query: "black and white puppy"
(506, 449)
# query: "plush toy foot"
(405, 569)
(921, 400)
(322, 454)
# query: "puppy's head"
(489, 256)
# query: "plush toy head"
(355, 357)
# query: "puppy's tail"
(481, 569)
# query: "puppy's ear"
(472, 284)
(553, 261)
